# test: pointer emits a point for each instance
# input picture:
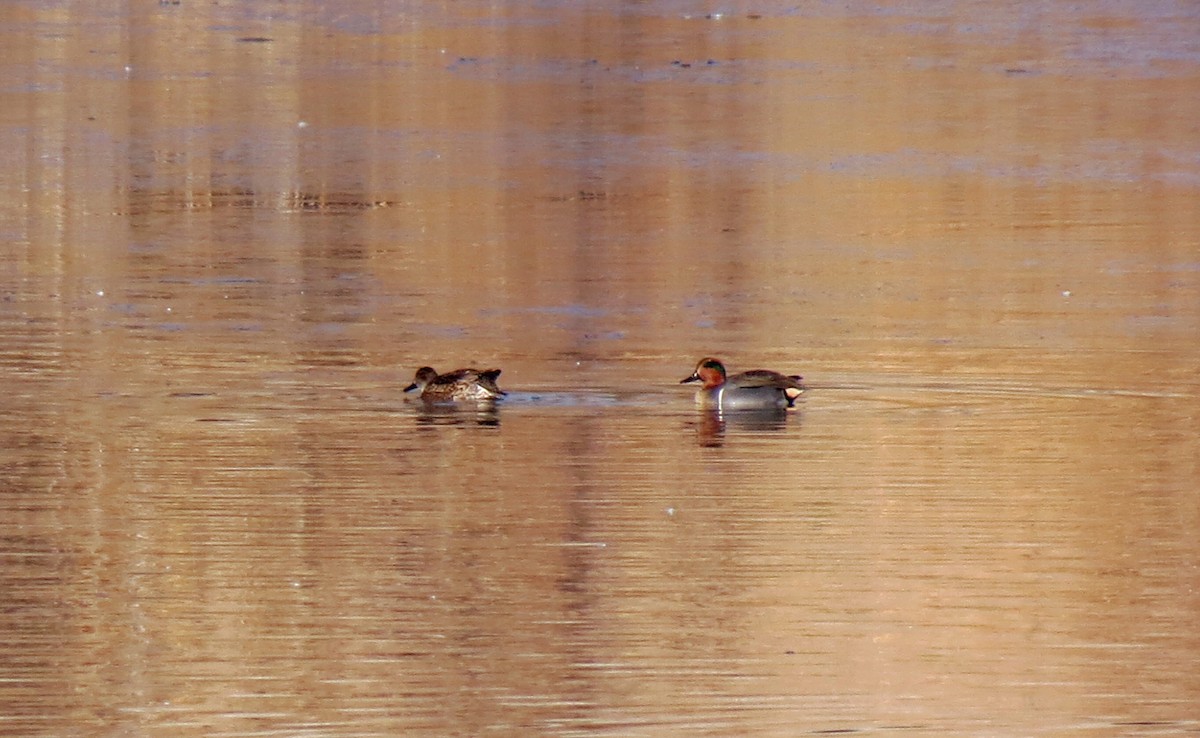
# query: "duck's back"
(465, 384)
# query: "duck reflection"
(450, 413)
(712, 423)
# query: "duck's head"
(425, 375)
(710, 371)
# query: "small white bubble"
(1066, 293)
(302, 124)
(99, 293)
(670, 511)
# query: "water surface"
(234, 231)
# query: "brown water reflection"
(233, 232)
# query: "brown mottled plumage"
(460, 384)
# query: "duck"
(460, 384)
(757, 389)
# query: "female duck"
(460, 384)
(758, 389)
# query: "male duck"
(758, 389)
(460, 384)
